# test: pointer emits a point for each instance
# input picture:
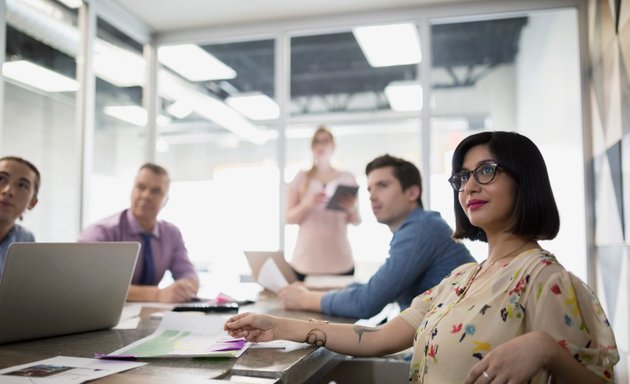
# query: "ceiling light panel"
(404, 96)
(194, 63)
(389, 45)
(256, 106)
(72, 4)
(39, 77)
(118, 66)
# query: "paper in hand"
(271, 277)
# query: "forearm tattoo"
(316, 337)
(361, 329)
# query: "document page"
(64, 370)
(271, 277)
(325, 282)
(182, 334)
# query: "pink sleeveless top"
(322, 246)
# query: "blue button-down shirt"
(17, 234)
(421, 253)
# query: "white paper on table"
(271, 277)
(328, 281)
(129, 318)
(287, 345)
(55, 370)
(184, 335)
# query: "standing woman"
(322, 246)
(518, 317)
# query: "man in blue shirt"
(421, 252)
(19, 184)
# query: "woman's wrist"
(290, 329)
(551, 351)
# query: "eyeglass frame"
(496, 166)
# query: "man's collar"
(11, 235)
(408, 217)
(137, 229)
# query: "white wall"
(548, 82)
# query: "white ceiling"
(170, 15)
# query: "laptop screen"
(50, 289)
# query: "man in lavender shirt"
(167, 250)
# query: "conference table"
(302, 364)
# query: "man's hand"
(297, 296)
(181, 290)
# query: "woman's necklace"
(483, 268)
(481, 271)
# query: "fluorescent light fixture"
(179, 109)
(38, 76)
(388, 45)
(72, 4)
(118, 66)
(219, 112)
(133, 114)
(404, 95)
(175, 88)
(256, 106)
(194, 63)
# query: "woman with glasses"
(322, 245)
(517, 317)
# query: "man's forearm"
(193, 280)
(142, 293)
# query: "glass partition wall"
(119, 120)
(515, 72)
(219, 141)
(38, 124)
(233, 138)
(485, 72)
(362, 83)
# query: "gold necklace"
(493, 262)
(461, 291)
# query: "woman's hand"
(253, 327)
(314, 199)
(347, 201)
(515, 361)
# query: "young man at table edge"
(421, 252)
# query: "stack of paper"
(184, 335)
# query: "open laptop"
(51, 289)
(257, 259)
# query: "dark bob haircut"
(406, 173)
(535, 213)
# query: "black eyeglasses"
(483, 174)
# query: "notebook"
(51, 289)
(257, 259)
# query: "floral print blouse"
(455, 329)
